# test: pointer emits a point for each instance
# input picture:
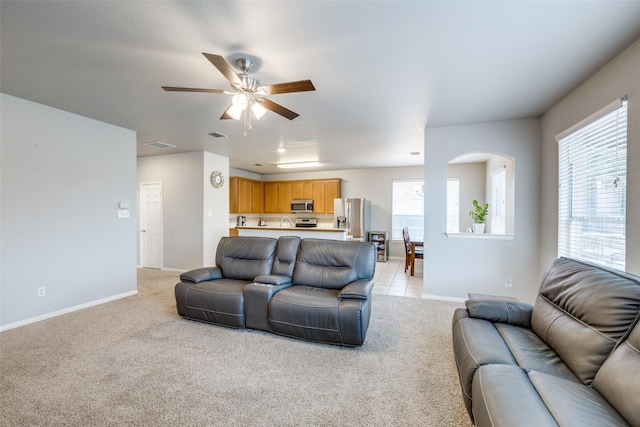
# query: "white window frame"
(592, 175)
(453, 205)
(407, 208)
(498, 201)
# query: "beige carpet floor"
(135, 362)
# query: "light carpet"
(136, 362)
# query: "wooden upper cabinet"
(334, 191)
(301, 190)
(271, 197)
(257, 197)
(319, 196)
(284, 197)
(244, 195)
(233, 195)
(252, 196)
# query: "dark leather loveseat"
(312, 289)
(571, 359)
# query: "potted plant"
(479, 215)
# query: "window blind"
(592, 179)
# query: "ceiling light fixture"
(299, 165)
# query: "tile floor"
(390, 279)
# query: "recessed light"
(281, 149)
(160, 145)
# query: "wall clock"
(217, 179)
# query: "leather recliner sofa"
(571, 359)
(312, 289)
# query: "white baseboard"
(66, 311)
(441, 298)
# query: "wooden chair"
(413, 250)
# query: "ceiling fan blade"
(191, 89)
(277, 108)
(223, 66)
(299, 86)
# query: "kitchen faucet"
(288, 219)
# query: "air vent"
(160, 145)
(217, 135)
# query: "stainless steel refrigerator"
(352, 214)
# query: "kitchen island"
(302, 232)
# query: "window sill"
(484, 236)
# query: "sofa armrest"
(272, 279)
(360, 289)
(516, 313)
(201, 274)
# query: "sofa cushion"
(533, 354)
(306, 312)
(503, 396)
(574, 404)
(583, 311)
(500, 310)
(333, 264)
(219, 301)
(244, 258)
(285, 258)
(619, 378)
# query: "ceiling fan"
(249, 94)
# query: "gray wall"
(63, 177)
(195, 214)
(454, 267)
(618, 78)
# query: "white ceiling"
(383, 70)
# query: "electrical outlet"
(507, 282)
(41, 291)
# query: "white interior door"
(151, 225)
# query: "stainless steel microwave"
(299, 206)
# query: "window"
(592, 188)
(453, 205)
(498, 202)
(408, 209)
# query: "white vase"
(478, 228)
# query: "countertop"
(318, 229)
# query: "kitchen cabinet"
(284, 197)
(245, 195)
(319, 196)
(334, 191)
(257, 197)
(324, 191)
(252, 196)
(301, 190)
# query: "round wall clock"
(217, 179)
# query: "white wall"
(63, 177)
(454, 267)
(190, 235)
(620, 77)
(472, 186)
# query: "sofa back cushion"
(286, 252)
(619, 378)
(584, 311)
(333, 264)
(244, 258)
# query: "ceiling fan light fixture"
(235, 112)
(298, 165)
(258, 110)
(240, 101)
